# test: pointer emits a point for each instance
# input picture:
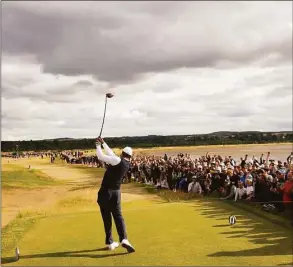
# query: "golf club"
(108, 95)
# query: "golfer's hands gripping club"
(99, 141)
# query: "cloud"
(24, 79)
(118, 42)
(172, 69)
(202, 100)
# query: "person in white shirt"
(194, 186)
(232, 192)
(240, 192)
(164, 184)
(249, 189)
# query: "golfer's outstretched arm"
(108, 150)
(112, 160)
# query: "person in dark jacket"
(109, 195)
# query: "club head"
(109, 95)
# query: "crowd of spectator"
(21, 155)
(264, 180)
(80, 157)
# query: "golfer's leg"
(117, 216)
(120, 224)
(107, 219)
(104, 203)
(121, 229)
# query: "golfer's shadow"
(71, 254)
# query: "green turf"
(15, 176)
(175, 230)
(192, 233)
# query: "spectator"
(183, 185)
(290, 158)
(194, 186)
(241, 192)
(232, 192)
(288, 194)
(249, 189)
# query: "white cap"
(127, 150)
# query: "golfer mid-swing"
(109, 195)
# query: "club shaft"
(104, 116)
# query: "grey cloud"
(69, 91)
(281, 92)
(38, 96)
(27, 32)
(281, 47)
(10, 117)
(124, 45)
(83, 83)
(282, 123)
(21, 87)
(237, 111)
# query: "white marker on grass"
(232, 219)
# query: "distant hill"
(215, 138)
(59, 139)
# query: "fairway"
(196, 232)
(164, 234)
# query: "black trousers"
(110, 205)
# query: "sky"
(174, 68)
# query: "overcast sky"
(174, 67)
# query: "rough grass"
(18, 177)
(18, 182)
(74, 202)
(13, 232)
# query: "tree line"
(218, 138)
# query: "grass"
(173, 229)
(12, 233)
(282, 219)
(15, 176)
(73, 202)
(93, 174)
(193, 233)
